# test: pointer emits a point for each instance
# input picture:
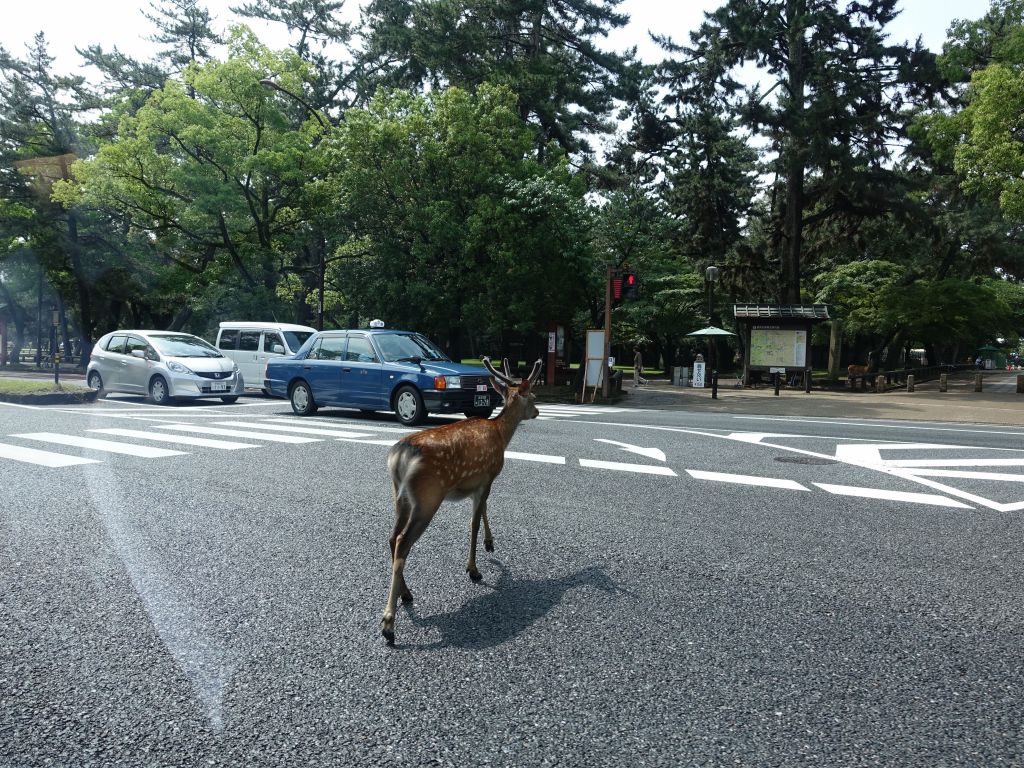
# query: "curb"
(51, 398)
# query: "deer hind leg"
(402, 510)
(416, 523)
(479, 512)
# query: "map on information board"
(778, 347)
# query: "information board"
(778, 347)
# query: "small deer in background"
(453, 462)
(854, 371)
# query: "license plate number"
(219, 386)
(481, 401)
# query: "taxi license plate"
(219, 386)
(481, 401)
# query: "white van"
(250, 344)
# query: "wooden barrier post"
(910, 382)
(880, 382)
(943, 382)
(1020, 384)
(977, 382)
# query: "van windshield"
(296, 339)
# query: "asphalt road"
(667, 589)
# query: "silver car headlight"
(178, 368)
(453, 382)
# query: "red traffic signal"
(630, 285)
(616, 288)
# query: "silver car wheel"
(158, 391)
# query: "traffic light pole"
(605, 382)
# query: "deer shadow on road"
(510, 607)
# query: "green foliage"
(463, 229)
(991, 158)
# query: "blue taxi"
(379, 370)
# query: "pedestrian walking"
(638, 368)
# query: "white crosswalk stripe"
(202, 442)
(41, 458)
(304, 430)
(108, 446)
(251, 434)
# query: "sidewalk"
(997, 404)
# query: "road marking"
(380, 441)
(203, 442)
(293, 428)
(651, 453)
(878, 425)
(42, 458)
(539, 457)
(335, 425)
(273, 438)
(880, 493)
(768, 482)
(91, 443)
(968, 475)
(645, 469)
(955, 463)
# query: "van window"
(228, 340)
(270, 339)
(296, 339)
(249, 341)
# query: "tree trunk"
(794, 159)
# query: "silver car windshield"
(401, 346)
(183, 346)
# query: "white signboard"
(551, 341)
(778, 347)
(698, 374)
(596, 361)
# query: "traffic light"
(617, 287)
(630, 285)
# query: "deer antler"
(504, 378)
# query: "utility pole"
(606, 387)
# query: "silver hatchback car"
(163, 364)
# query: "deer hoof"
(489, 545)
(407, 597)
(475, 575)
(389, 636)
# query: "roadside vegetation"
(381, 171)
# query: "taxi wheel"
(302, 399)
(409, 406)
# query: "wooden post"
(835, 346)
(880, 382)
(977, 382)
(943, 382)
(1020, 384)
(910, 382)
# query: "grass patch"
(36, 387)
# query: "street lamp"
(711, 277)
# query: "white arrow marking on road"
(881, 493)
(645, 469)
(651, 453)
(541, 457)
(768, 482)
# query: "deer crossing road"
(917, 472)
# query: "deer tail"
(403, 459)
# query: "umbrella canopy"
(987, 348)
(711, 331)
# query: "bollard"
(943, 382)
(880, 383)
(56, 370)
(910, 382)
(1020, 384)
(714, 385)
(807, 381)
(977, 382)
(777, 377)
